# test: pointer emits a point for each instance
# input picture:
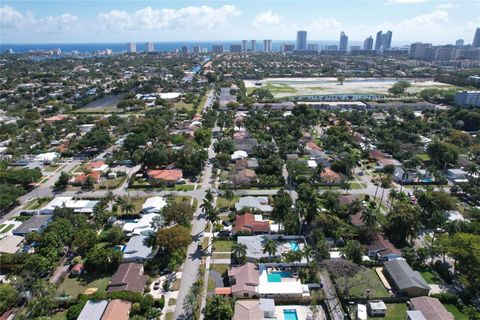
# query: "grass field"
(182, 105)
(211, 284)
(110, 183)
(6, 228)
(457, 314)
(36, 204)
(357, 185)
(77, 285)
(430, 277)
(51, 167)
(169, 316)
(172, 302)
(223, 245)
(225, 203)
(219, 268)
(395, 311)
(363, 280)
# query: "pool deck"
(302, 311)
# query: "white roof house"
(239, 154)
(258, 203)
(47, 157)
(170, 95)
(136, 250)
(93, 310)
(141, 226)
(78, 206)
(311, 164)
(267, 289)
(154, 205)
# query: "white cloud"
(267, 19)
(405, 1)
(448, 5)
(12, 19)
(325, 23)
(203, 17)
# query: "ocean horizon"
(166, 46)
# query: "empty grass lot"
(457, 314)
(430, 278)
(363, 280)
(219, 268)
(36, 203)
(77, 285)
(225, 203)
(395, 311)
(223, 245)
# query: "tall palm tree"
(270, 247)
(239, 252)
(212, 216)
(209, 195)
(110, 197)
(128, 207)
(392, 195)
(206, 206)
(308, 253)
(473, 170)
(369, 218)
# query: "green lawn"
(430, 277)
(7, 228)
(110, 183)
(219, 268)
(169, 316)
(424, 156)
(223, 245)
(221, 255)
(172, 302)
(36, 203)
(363, 280)
(280, 88)
(456, 313)
(357, 185)
(211, 284)
(77, 285)
(182, 105)
(225, 203)
(395, 311)
(59, 316)
(51, 167)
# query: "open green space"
(211, 284)
(36, 203)
(169, 316)
(6, 228)
(51, 167)
(182, 105)
(424, 156)
(457, 314)
(223, 245)
(280, 88)
(395, 311)
(430, 277)
(226, 203)
(110, 183)
(219, 268)
(77, 285)
(357, 185)
(363, 280)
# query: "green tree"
(203, 136)
(341, 79)
(239, 253)
(174, 238)
(63, 180)
(8, 296)
(270, 247)
(353, 251)
(402, 223)
(399, 87)
(282, 205)
(103, 259)
(219, 308)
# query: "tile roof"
(248, 310)
(248, 222)
(167, 175)
(246, 277)
(117, 310)
(11, 244)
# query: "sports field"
(285, 87)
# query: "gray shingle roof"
(35, 223)
(403, 275)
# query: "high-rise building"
(287, 47)
(418, 49)
(217, 48)
(459, 43)
(312, 47)
(196, 49)
(184, 49)
(368, 43)
(244, 45)
(301, 40)
(343, 45)
(149, 47)
(383, 41)
(235, 48)
(253, 45)
(132, 47)
(476, 39)
(267, 45)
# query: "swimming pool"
(276, 276)
(428, 180)
(294, 246)
(290, 314)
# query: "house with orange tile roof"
(244, 176)
(81, 179)
(98, 165)
(56, 118)
(330, 176)
(250, 223)
(168, 176)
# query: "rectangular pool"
(276, 276)
(290, 314)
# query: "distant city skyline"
(42, 21)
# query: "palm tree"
(473, 170)
(355, 206)
(206, 206)
(109, 197)
(128, 207)
(369, 218)
(392, 195)
(308, 253)
(455, 189)
(212, 216)
(209, 195)
(270, 247)
(239, 252)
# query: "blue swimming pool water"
(276, 276)
(290, 314)
(427, 180)
(294, 246)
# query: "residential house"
(246, 163)
(117, 310)
(381, 249)
(457, 175)
(405, 280)
(47, 158)
(82, 178)
(77, 269)
(168, 176)
(141, 226)
(255, 243)
(256, 203)
(415, 315)
(153, 205)
(431, 308)
(128, 277)
(376, 155)
(331, 177)
(78, 206)
(244, 177)
(11, 244)
(239, 155)
(136, 250)
(281, 285)
(98, 165)
(244, 280)
(93, 310)
(35, 223)
(251, 224)
(245, 144)
(54, 119)
(254, 309)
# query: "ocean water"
(159, 46)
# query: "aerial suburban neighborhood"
(305, 182)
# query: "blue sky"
(71, 21)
